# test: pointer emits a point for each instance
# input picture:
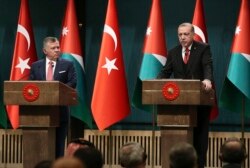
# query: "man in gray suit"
(192, 60)
(61, 70)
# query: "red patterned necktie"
(50, 71)
(186, 56)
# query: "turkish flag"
(24, 55)
(110, 101)
(199, 23)
(200, 30)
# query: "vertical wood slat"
(121, 137)
(248, 151)
(11, 151)
(2, 151)
(216, 139)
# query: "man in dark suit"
(52, 67)
(182, 155)
(232, 153)
(192, 60)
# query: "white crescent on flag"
(25, 33)
(200, 33)
(111, 32)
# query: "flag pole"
(110, 148)
(243, 119)
(243, 123)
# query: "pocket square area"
(61, 71)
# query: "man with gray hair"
(54, 68)
(191, 59)
(132, 155)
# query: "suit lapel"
(192, 57)
(57, 69)
(179, 58)
(42, 69)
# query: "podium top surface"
(38, 93)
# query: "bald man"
(232, 153)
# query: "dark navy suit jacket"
(64, 72)
(199, 65)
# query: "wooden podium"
(176, 117)
(39, 103)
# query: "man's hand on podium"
(207, 84)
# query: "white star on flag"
(23, 64)
(65, 31)
(110, 65)
(149, 30)
(237, 31)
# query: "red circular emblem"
(31, 92)
(170, 91)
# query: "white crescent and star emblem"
(23, 63)
(110, 64)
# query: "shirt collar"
(189, 47)
(48, 60)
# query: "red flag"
(70, 37)
(199, 23)
(110, 101)
(155, 42)
(24, 55)
(201, 35)
(241, 39)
